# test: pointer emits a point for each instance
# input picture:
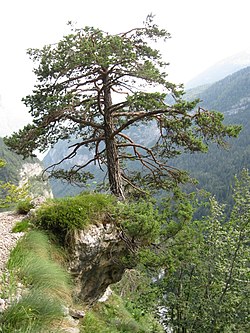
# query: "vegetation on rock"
(196, 271)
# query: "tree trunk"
(113, 165)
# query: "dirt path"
(7, 238)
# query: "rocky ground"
(7, 238)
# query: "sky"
(203, 33)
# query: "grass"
(39, 265)
(21, 226)
(62, 215)
(49, 287)
(35, 312)
(114, 316)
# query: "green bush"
(24, 206)
(62, 215)
(141, 221)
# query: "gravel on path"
(8, 239)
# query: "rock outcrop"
(32, 173)
(96, 260)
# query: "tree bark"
(113, 165)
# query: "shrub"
(24, 206)
(21, 226)
(62, 215)
(141, 221)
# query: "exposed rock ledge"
(96, 260)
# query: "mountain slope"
(216, 169)
(229, 95)
(19, 171)
(221, 69)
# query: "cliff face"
(96, 260)
(39, 185)
(19, 171)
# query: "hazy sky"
(203, 32)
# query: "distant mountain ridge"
(229, 95)
(216, 169)
(221, 69)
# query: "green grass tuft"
(49, 287)
(33, 313)
(21, 226)
(62, 215)
(32, 260)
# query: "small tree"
(94, 86)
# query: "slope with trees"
(215, 170)
(96, 87)
(206, 287)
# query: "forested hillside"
(14, 162)
(216, 169)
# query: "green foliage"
(62, 215)
(21, 226)
(33, 263)
(32, 260)
(116, 316)
(141, 221)
(138, 290)
(24, 206)
(34, 313)
(10, 193)
(206, 280)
